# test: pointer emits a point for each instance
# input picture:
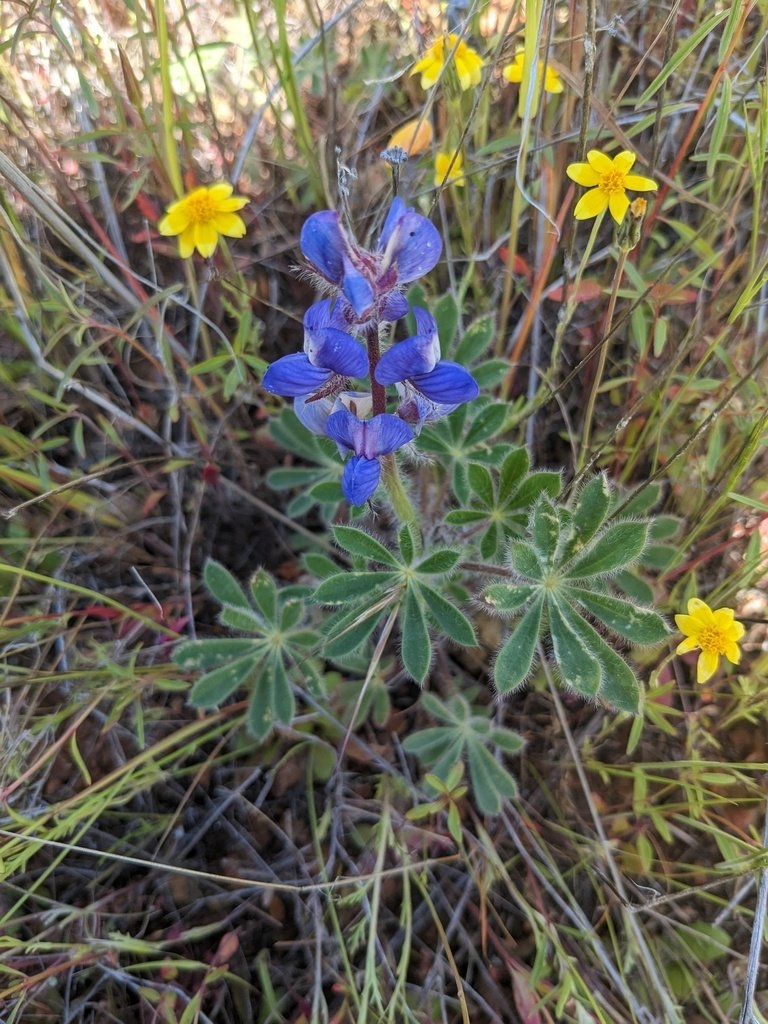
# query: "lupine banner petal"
(323, 243)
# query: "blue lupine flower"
(410, 242)
(330, 357)
(416, 361)
(368, 440)
(410, 245)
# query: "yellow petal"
(706, 666)
(514, 72)
(618, 204)
(176, 220)
(599, 162)
(733, 653)
(230, 205)
(688, 644)
(187, 242)
(591, 204)
(206, 238)
(220, 192)
(723, 618)
(552, 81)
(583, 174)
(229, 224)
(687, 624)
(623, 161)
(696, 607)
(638, 183)
(448, 170)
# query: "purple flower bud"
(360, 479)
(410, 245)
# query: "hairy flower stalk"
(343, 337)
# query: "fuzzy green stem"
(390, 477)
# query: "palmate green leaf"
(320, 565)
(475, 341)
(348, 587)
(491, 782)
(465, 516)
(639, 625)
(454, 624)
(247, 620)
(545, 530)
(326, 492)
(578, 667)
(272, 700)
(416, 650)
(454, 710)
(223, 586)
(481, 483)
(358, 542)
(509, 598)
(619, 686)
(459, 483)
(214, 687)
(514, 468)
(515, 659)
(348, 630)
(291, 612)
(641, 501)
(298, 478)
(511, 742)
(543, 482)
(524, 560)
(616, 547)
(409, 543)
(491, 542)
(486, 423)
(431, 744)
(592, 507)
(664, 527)
(198, 655)
(446, 314)
(631, 585)
(264, 593)
(439, 562)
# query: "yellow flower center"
(712, 640)
(613, 181)
(201, 208)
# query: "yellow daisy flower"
(514, 73)
(607, 180)
(715, 632)
(468, 62)
(199, 217)
(447, 170)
